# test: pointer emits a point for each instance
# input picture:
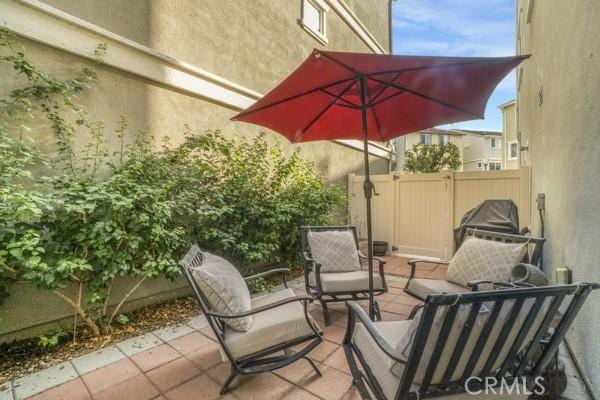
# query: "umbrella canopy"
(335, 95)
(404, 94)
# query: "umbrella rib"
(323, 111)
(341, 64)
(244, 113)
(375, 117)
(373, 104)
(337, 96)
(385, 87)
(433, 99)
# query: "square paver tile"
(266, 386)
(97, 359)
(338, 361)
(72, 390)
(155, 357)
(173, 332)
(111, 375)
(173, 373)
(138, 344)
(199, 388)
(206, 357)
(40, 381)
(6, 392)
(299, 394)
(323, 350)
(138, 388)
(298, 372)
(333, 385)
(197, 322)
(190, 342)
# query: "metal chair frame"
(266, 359)
(317, 292)
(533, 258)
(527, 363)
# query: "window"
(425, 138)
(479, 165)
(313, 19)
(513, 150)
(495, 143)
(443, 139)
(495, 166)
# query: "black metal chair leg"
(228, 382)
(312, 364)
(377, 310)
(326, 318)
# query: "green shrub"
(432, 158)
(134, 212)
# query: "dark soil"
(26, 356)
(23, 357)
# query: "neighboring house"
(187, 62)
(558, 119)
(427, 136)
(511, 158)
(480, 150)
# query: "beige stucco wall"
(254, 44)
(509, 135)
(477, 148)
(564, 149)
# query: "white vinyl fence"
(417, 213)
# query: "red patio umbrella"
(336, 95)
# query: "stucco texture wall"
(254, 45)
(563, 132)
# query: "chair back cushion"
(335, 250)
(404, 346)
(224, 288)
(480, 259)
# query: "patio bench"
(420, 288)
(456, 341)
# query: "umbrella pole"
(368, 190)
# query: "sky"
(460, 28)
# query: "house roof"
(480, 132)
(508, 103)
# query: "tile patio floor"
(183, 362)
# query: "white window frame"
(426, 135)
(497, 141)
(445, 140)
(322, 7)
(509, 148)
(495, 163)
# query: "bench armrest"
(413, 265)
(355, 311)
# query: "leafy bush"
(432, 158)
(134, 212)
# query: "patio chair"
(260, 338)
(462, 339)
(420, 288)
(332, 267)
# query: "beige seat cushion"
(346, 281)
(480, 259)
(421, 287)
(224, 288)
(405, 344)
(379, 363)
(271, 327)
(335, 250)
